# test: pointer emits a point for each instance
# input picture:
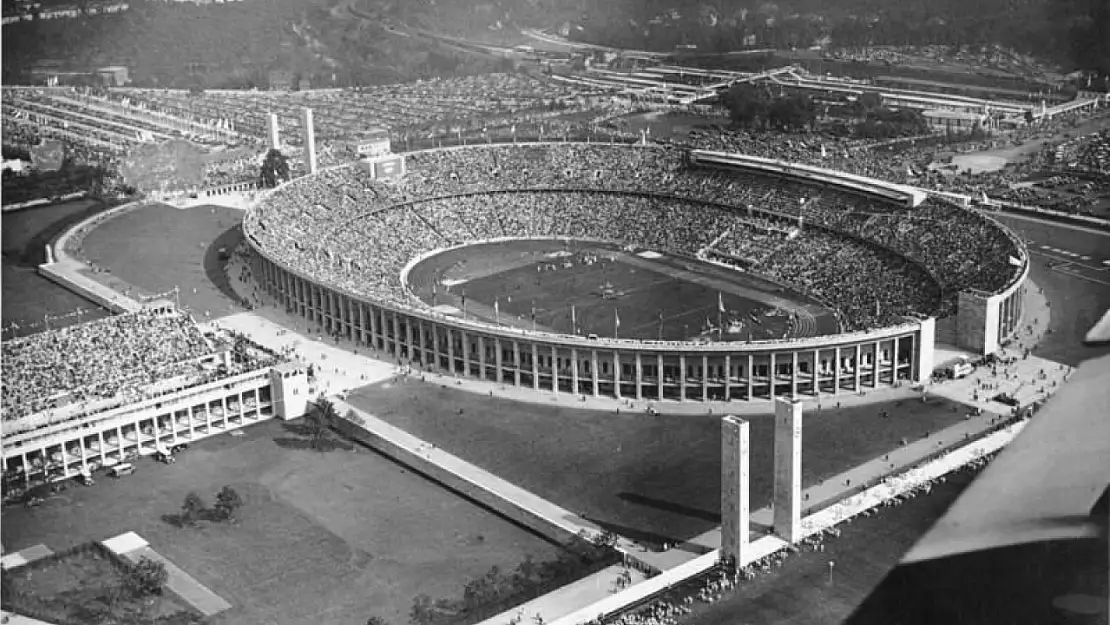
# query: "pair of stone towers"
(736, 473)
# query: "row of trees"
(498, 590)
(195, 509)
(1077, 31)
(755, 107)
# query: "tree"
(275, 169)
(146, 578)
(227, 502)
(1028, 117)
(746, 104)
(321, 414)
(376, 620)
(192, 508)
(423, 610)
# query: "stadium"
(778, 278)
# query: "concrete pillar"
(681, 377)
(639, 376)
(465, 352)
(574, 369)
(751, 377)
(735, 491)
(705, 377)
(516, 362)
(450, 351)
(771, 377)
(876, 364)
(498, 359)
(659, 376)
(858, 368)
(794, 374)
(435, 346)
(482, 357)
(788, 470)
(923, 355)
(554, 369)
(728, 377)
(617, 374)
(275, 132)
(396, 335)
(836, 372)
(535, 367)
(594, 371)
(309, 138)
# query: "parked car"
(122, 469)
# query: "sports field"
(591, 288)
(650, 478)
(158, 247)
(324, 537)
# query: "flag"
(720, 302)
(616, 319)
(573, 319)
(497, 307)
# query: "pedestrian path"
(24, 556)
(132, 547)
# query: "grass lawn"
(650, 478)
(323, 537)
(158, 247)
(684, 292)
(75, 588)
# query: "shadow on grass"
(667, 506)
(214, 266)
(650, 539)
(331, 441)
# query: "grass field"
(158, 247)
(76, 587)
(654, 297)
(649, 478)
(324, 537)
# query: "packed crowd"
(1088, 154)
(98, 360)
(643, 196)
(457, 103)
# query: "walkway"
(132, 547)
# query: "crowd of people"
(100, 360)
(415, 107)
(642, 196)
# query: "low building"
(93, 416)
(954, 121)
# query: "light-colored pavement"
(132, 547)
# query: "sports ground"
(575, 287)
(651, 478)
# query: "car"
(122, 469)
